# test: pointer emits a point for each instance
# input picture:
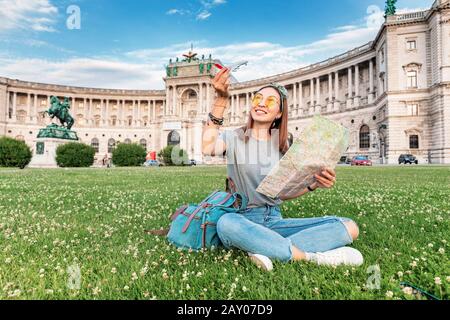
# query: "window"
(364, 137)
(411, 45)
(95, 144)
(413, 109)
(127, 141)
(143, 143)
(412, 79)
(414, 142)
(111, 145)
(130, 121)
(114, 121)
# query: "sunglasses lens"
(271, 102)
(256, 100)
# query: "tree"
(75, 155)
(14, 153)
(174, 156)
(129, 155)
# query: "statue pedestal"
(44, 154)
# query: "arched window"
(364, 137)
(173, 139)
(414, 141)
(143, 143)
(111, 145)
(95, 144)
(20, 138)
(127, 141)
(130, 121)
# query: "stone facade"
(392, 93)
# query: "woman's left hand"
(326, 179)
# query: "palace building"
(393, 94)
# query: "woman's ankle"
(297, 254)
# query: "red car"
(361, 161)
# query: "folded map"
(320, 144)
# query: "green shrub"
(75, 155)
(14, 153)
(174, 156)
(129, 155)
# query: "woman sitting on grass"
(251, 152)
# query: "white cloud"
(98, 73)
(177, 11)
(37, 15)
(144, 69)
(205, 14)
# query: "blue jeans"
(263, 230)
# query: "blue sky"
(125, 44)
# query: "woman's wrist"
(221, 100)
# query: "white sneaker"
(261, 261)
(340, 256)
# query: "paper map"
(320, 144)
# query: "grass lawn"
(55, 224)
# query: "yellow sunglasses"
(270, 103)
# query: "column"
(166, 104)
(85, 113)
(300, 97)
(318, 104)
(200, 99)
(294, 94)
(48, 102)
(247, 103)
(35, 109)
(14, 107)
(139, 118)
(371, 97)
(174, 100)
(232, 109)
(237, 114)
(154, 110)
(350, 89)
(337, 103)
(312, 106)
(208, 98)
(108, 113)
(122, 112)
(356, 101)
(330, 93)
(28, 108)
(90, 121)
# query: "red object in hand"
(220, 67)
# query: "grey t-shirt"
(249, 163)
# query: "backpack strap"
(192, 216)
(243, 200)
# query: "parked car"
(361, 161)
(345, 160)
(407, 159)
(192, 162)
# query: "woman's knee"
(352, 229)
(227, 224)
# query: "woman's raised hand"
(221, 83)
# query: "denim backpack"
(194, 226)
